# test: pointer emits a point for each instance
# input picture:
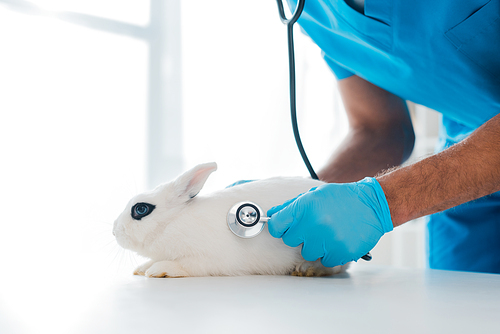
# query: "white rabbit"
(187, 235)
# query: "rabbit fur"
(187, 235)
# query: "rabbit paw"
(143, 267)
(315, 268)
(166, 269)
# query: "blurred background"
(103, 99)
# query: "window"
(74, 79)
(235, 88)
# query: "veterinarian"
(441, 54)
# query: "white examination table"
(368, 299)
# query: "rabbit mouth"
(125, 243)
(120, 241)
(121, 238)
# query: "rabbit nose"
(114, 233)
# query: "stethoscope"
(246, 219)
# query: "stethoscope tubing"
(291, 69)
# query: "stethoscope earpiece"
(246, 219)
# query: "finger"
(312, 250)
(280, 222)
(332, 259)
(329, 262)
(292, 238)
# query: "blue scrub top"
(441, 54)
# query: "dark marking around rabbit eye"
(141, 210)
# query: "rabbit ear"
(190, 183)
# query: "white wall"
(235, 93)
(73, 144)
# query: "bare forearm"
(366, 153)
(463, 172)
(380, 135)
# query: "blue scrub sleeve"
(339, 71)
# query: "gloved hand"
(338, 223)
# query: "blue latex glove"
(338, 223)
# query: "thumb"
(283, 217)
(277, 208)
(281, 221)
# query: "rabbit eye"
(141, 210)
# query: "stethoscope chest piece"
(246, 220)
